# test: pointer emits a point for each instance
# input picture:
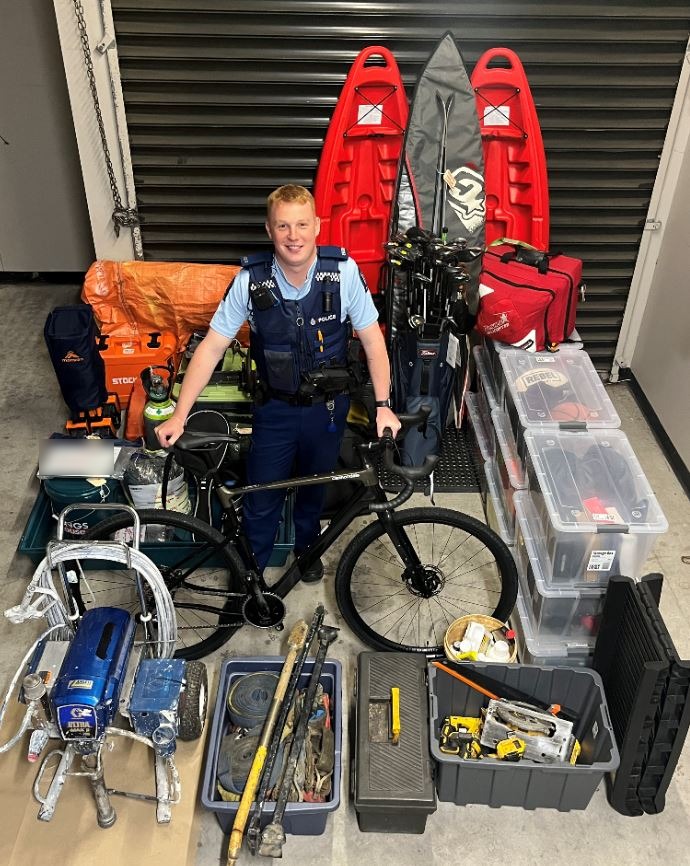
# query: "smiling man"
(302, 302)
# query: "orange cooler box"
(126, 357)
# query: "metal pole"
(273, 837)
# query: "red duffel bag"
(527, 297)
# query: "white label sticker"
(601, 560)
(603, 518)
(80, 684)
(369, 115)
(497, 116)
(544, 359)
(452, 353)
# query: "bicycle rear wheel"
(199, 567)
(467, 568)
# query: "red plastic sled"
(517, 191)
(355, 182)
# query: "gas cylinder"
(159, 407)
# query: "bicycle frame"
(339, 522)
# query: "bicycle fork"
(415, 573)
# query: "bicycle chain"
(122, 217)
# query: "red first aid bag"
(527, 297)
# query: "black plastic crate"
(673, 717)
(635, 672)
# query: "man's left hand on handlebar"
(386, 418)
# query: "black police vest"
(290, 339)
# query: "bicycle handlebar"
(192, 440)
(409, 474)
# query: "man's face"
(293, 228)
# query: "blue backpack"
(70, 334)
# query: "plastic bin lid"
(493, 481)
(484, 440)
(558, 390)
(484, 376)
(533, 538)
(540, 647)
(574, 342)
(592, 482)
(508, 446)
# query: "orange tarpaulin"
(132, 298)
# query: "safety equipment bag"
(528, 297)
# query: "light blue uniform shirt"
(355, 299)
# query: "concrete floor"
(31, 408)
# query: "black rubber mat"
(455, 472)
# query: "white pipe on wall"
(665, 188)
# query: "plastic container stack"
(564, 490)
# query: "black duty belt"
(300, 399)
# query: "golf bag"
(422, 377)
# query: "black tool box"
(392, 782)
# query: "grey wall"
(661, 362)
(44, 222)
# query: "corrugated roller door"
(227, 99)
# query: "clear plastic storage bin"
(534, 649)
(486, 440)
(494, 349)
(487, 400)
(595, 507)
(496, 516)
(554, 612)
(559, 391)
(510, 464)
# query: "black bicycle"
(399, 584)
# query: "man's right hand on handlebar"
(170, 431)
(386, 419)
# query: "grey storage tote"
(527, 784)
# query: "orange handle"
(467, 682)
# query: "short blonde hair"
(290, 193)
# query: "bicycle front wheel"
(198, 565)
(467, 569)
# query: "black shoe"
(314, 573)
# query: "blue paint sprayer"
(98, 673)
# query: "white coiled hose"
(42, 600)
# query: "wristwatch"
(383, 404)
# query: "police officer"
(300, 302)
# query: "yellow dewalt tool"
(510, 749)
(458, 736)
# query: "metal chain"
(126, 217)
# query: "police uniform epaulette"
(338, 253)
(257, 259)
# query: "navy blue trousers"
(289, 440)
